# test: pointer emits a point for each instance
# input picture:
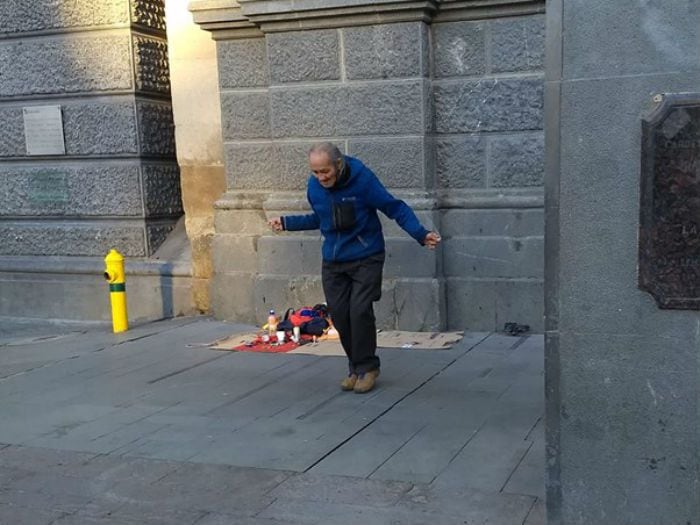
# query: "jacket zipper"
(335, 225)
(362, 241)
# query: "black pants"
(351, 288)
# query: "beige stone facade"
(197, 115)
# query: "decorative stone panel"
(99, 128)
(390, 108)
(489, 105)
(242, 63)
(161, 190)
(303, 56)
(156, 128)
(67, 190)
(11, 132)
(151, 65)
(75, 239)
(386, 51)
(61, 65)
(149, 13)
(17, 16)
(156, 233)
(84, 129)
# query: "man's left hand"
(432, 240)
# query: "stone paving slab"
(150, 427)
(418, 506)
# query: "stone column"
(105, 65)
(623, 376)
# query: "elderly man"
(344, 196)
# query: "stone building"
(442, 99)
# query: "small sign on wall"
(43, 130)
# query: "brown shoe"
(365, 382)
(348, 383)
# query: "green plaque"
(48, 188)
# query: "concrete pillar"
(622, 375)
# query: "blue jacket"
(347, 214)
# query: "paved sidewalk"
(152, 427)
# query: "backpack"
(310, 320)
(300, 316)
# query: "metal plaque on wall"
(669, 230)
(43, 130)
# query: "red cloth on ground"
(258, 345)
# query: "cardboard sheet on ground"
(385, 339)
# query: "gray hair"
(329, 149)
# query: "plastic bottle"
(272, 323)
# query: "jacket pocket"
(362, 241)
(343, 216)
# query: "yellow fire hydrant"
(114, 273)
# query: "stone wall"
(446, 110)
(487, 85)
(117, 185)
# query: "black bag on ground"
(314, 327)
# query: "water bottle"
(272, 323)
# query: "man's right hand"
(276, 224)
(432, 240)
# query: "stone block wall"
(105, 65)
(446, 110)
(320, 85)
(488, 103)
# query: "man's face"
(323, 169)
